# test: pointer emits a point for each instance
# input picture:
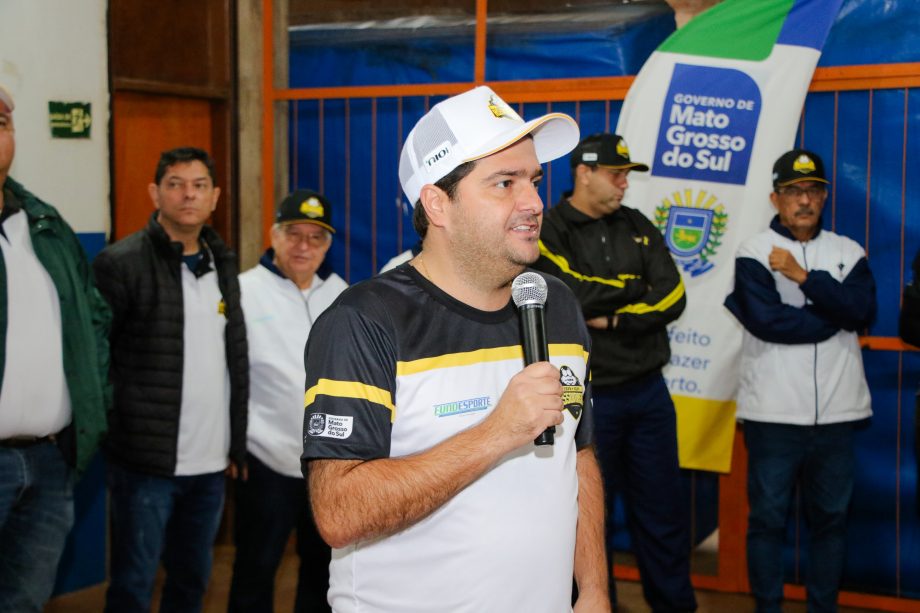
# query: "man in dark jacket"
(909, 325)
(909, 330)
(180, 371)
(617, 264)
(54, 373)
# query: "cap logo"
(803, 164)
(622, 149)
(312, 207)
(437, 154)
(589, 156)
(501, 109)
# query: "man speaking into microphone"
(421, 415)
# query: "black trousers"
(636, 436)
(268, 507)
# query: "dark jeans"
(821, 460)
(636, 435)
(36, 513)
(268, 506)
(173, 518)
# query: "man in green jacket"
(53, 381)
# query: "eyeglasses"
(294, 237)
(794, 191)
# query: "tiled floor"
(91, 599)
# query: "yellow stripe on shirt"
(572, 350)
(377, 395)
(640, 308)
(563, 265)
(453, 360)
(350, 389)
(495, 354)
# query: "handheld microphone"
(528, 290)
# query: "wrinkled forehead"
(804, 184)
(302, 226)
(193, 170)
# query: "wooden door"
(144, 126)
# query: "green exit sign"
(70, 119)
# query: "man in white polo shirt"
(54, 369)
(181, 375)
(282, 297)
(421, 415)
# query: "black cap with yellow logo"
(305, 206)
(796, 166)
(607, 150)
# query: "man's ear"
(582, 173)
(214, 198)
(774, 198)
(435, 200)
(152, 189)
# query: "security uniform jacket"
(618, 264)
(141, 278)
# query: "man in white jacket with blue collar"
(802, 294)
(282, 296)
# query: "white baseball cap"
(6, 100)
(474, 125)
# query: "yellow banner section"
(705, 433)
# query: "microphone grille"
(528, 289)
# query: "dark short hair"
(449, 184)
(183, 155)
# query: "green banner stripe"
(734, 29)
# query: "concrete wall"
(56, 51)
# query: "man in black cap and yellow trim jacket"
(617, 264)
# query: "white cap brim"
(6, 100)
(554, 135)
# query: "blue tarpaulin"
(869, 139)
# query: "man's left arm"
(238, 366)
(100, 316)
(665, 298)
(592, 571)
(849, 304)
(102, 323)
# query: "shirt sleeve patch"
(330, 426)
